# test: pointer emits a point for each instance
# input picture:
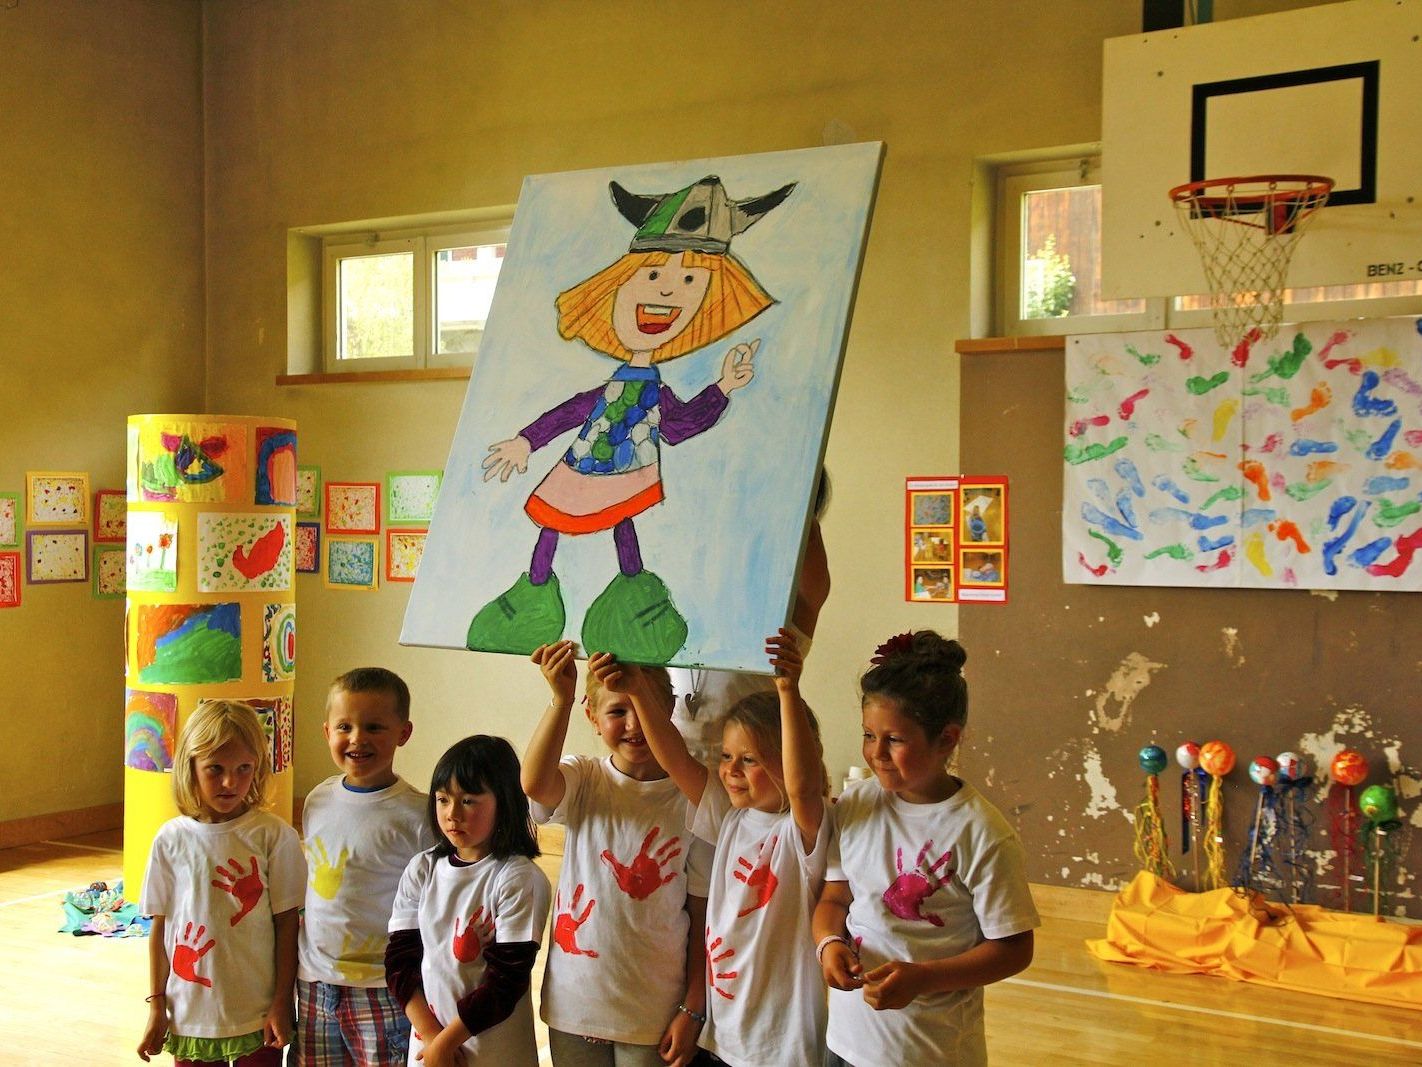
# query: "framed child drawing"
(635, 461)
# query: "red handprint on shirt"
(186, 956)
(911, 888)
(566, 923)
(643, 876)
(477, 934)
(247, 888)
(713, 959)
(758, 876)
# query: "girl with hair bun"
(926, 898)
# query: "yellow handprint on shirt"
(326, 877)
(362, 961)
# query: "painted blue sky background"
(727, 538)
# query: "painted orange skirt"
(1249, 939)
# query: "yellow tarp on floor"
(1227, 933)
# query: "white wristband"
(825, 943)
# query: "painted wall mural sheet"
(152, 552)
(244, 551)
(1291, 463)
(192, 461)
(638, 449)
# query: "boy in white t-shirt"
(361, 826)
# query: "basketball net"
(1245, 230)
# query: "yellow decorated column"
(211, 599)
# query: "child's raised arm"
(157, 1029)
(654, 717)
(539, 775)
(803, 768)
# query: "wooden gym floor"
(79, 1000)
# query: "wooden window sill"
(426, 374)
(988, 346)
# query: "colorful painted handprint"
(912, 887)
(643, 876)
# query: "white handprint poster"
(636, 459)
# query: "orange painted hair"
(733, 298)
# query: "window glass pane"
(1321, 293)
(1061, 263)
(377, 309)
(464, 288)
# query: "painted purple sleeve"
(682, 420)
(568, 415)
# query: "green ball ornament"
(1152, 759)
(1378, 803)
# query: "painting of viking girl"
(673, 484)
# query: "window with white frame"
(1048, 265)
(407, 299)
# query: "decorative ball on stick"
(1297, 819)
(1378, 803)
(1217, 759)
(1348, 768)
(1152, 848)
(1257, 864)
(1193, 783)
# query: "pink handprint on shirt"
(566, 923)
(911, 888)
(758, 875)
(477, 934)
(713, 960)
(247, 888)
(186, 955)
(643, 876)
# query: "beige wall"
(101, 305)
(318, 112)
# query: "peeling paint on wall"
(1113, 706)
(1151, 619)
(1232, 647)
(1103, 793)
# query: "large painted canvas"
(1291, 463)
(637, 454)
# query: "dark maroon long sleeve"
(506, 978)
(404, 954)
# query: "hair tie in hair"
(899, 643)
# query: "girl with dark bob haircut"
(486, 764)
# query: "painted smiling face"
(658, 303)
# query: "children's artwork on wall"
(956, 539)
(352, 562)
(110, 516)
(193, 461)
(108, 570)
(57, 498)
(152, 552)
(9, 579)
(308, 548)
(637, 455)
(276, 717)
(57, 556)
(150, 725)
(403, 549)
(410, 497)
(352, 507)
(244, 551)
(278, 642)
(11, 525)
(1290, 463)
(276, 466)
(188, 644)
(308, 492)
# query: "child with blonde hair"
(223, 884)
(765, 812)
(625, 981)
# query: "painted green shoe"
(520, 619)
(635, 620)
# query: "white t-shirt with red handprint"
(617, 962)
(459, 908)
(357, 846)
(929, 881)
(218, 886)
(765, 992)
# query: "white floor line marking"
(83, 848)
(1215, 1011)
(55, 895)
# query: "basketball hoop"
(1245, 230)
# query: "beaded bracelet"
(698, 1016)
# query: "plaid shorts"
(344, 1026)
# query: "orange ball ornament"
(1217, 758)
(1349, 767)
